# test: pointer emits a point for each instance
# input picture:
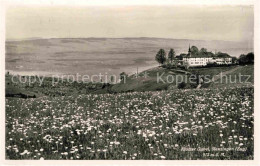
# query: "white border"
(128, 2)
(5, 4)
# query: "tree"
(245, 59)
(194, 50)
(250, 57)
(182, 55)
(234, 60)
(242, 59)
(160, 56)
(223, 55)
(203, 51)
(171, 54)
(210, 54)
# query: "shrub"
(182, 85)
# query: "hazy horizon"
(70, 56)
(225, 23)
(110, 39)
(36, 38)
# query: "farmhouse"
(202, 59)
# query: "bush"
(182, 85)
(246, 59)
(169, 66)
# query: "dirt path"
(216, 77)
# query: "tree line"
(161, 56)
(246, 59)
(162, 59)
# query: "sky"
(230, 23)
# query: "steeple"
(189, 52)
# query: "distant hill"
(102, 55)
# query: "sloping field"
(239, 76)
(215, 123)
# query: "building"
(195, 60)
(222, 60)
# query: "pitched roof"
(208, 55)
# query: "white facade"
(197, 61)
(203, 61)
(223, 61)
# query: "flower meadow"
(163, 125)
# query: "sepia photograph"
(129, 82)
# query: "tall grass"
(136, 125)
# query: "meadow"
(133, 126)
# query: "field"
(137, 125)
(146, 81)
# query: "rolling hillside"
(100, 55)
(146, 81)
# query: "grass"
(146, 81)
(244, 70)
(47, 88)
(211, 71)
(150, 83)
(244, 75)
(133, 126)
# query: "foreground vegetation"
(136, 125)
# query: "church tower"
(189, 52)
